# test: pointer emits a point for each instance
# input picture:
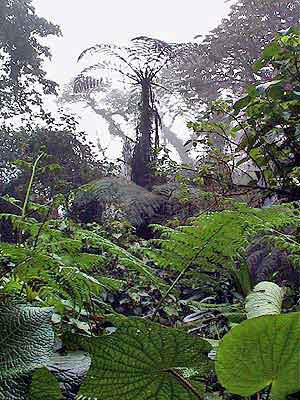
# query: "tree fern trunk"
(141, 161)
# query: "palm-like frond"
(136, 204)
(144, 58)
(220, 240)
(86, 83)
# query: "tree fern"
(117, 197)
(140, 65)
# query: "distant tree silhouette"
(140, 65)
(224, 58)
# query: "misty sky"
(88, 22)
(85, 23)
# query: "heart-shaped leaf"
(260, 352)
(143, 360)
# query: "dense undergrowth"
(150, 314)
(187, 289)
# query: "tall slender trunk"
(142, 157)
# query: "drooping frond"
(85, 84)
(143, 59)
(220, 240)
(145, 45)
(112, 196)
(66, 264)
(114, 59)
(154, 52)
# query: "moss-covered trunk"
(141, 162)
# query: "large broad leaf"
(26, 339)
(265, 299)
(241, 103)
(26, 342)
(262, 88)
(260, 352)
(143, 360)
(15, 388)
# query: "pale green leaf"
(265, 299)
(261, 352)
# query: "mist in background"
(85, 23)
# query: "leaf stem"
(29, 189)
(184, 382)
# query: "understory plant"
(259, 132)
(134, 358)
(63, 340)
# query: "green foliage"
(265, 299)
(22, 53)
(219, 240)
(73, 267)
(221, 61)
(70, 160)
(261, 352)
(52, 269)
(44, 386)
(143, 360)
(272, 113)
(125, 257)
(60, 260)
(260, 131)
(26, 342)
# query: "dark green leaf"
(140, 361)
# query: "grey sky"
(85, 23)
(88, 22)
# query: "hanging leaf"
(265, 299)
(261, 352)
(241, 103)
(262, 88)
(143, 360)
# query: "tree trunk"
(142, 156)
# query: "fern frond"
(125, 258)
(136, 204)
(178, 247)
